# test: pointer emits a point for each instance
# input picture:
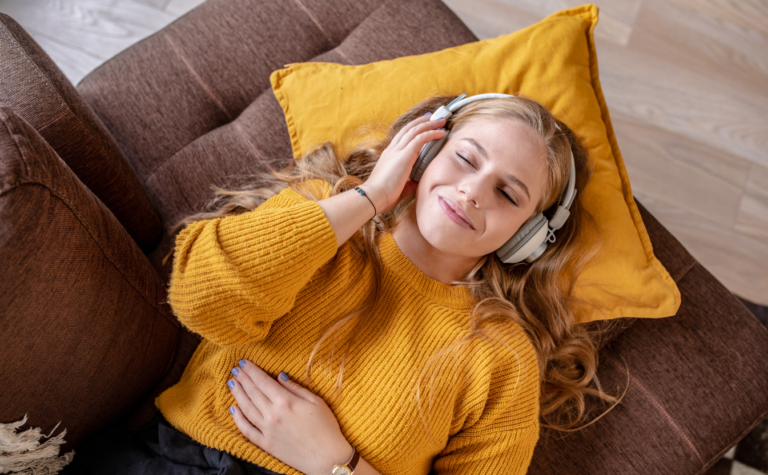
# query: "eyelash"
(500, 190)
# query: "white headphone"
(530, 241)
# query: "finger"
(246, 404)
(262, 381)
(418, 130)
(254, 392)
(409, 125)
(414, 127)
(246, 428)
(296, 388)
(414, 147)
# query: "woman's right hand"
(388, 180)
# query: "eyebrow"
(512, 178)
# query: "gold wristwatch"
(349, 467)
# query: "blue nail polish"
(428, 113)
(231, 384)
(242, 363)
(283, 376)
(235, 371)
(232, 410)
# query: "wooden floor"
(686, 83)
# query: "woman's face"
(494, 173)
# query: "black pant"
(156, 448)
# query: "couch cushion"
(202, 71)
(32, 85)
(697, 384)
(86, 331)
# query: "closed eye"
(500, 190)
(507, 196)
(462, 157)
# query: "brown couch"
(91, 177)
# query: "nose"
(472, 188)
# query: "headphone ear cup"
(428, 152)
(525, 241)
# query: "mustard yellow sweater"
(265, 285)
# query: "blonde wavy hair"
(538, 296)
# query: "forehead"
(503, 139)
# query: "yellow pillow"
(554, 62)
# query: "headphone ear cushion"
(428, 152)
(522, 237)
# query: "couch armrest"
(38, 92)
(86, 331)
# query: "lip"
(454, 212)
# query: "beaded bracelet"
(362, 192)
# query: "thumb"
(295, 387)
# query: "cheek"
(440, 169)
(502, 227)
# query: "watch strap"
(350, 466)
(353, 461)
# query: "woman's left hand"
(287, 421)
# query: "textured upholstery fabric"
(188, 343)
(32, 85)
(201, 73)
(692, 394)
(85, 330)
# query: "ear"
(295, 388)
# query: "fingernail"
(242, 363)
(442, 130)
(232, 410)
(428, 113)
(231, 384)
(283, 376)
(235, 371)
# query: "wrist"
(377, 195)
(338, 456)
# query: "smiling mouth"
(453, 215)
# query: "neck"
(432, 262)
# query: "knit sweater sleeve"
(499, 436)
(233, 277)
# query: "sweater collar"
(394, 259)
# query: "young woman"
(333, 342)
